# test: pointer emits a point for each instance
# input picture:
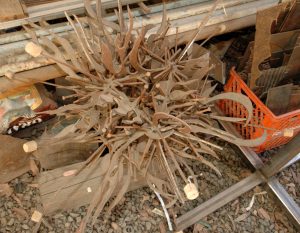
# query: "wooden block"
(36, 216)
(11, 9)
(13, 160)
(74, 191)
(30, 146)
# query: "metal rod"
(56, 10)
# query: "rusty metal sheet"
(284, 40)
(218, 72)
(294, 100)
(291, 22)
(264, 21)
(294, 62)
(271, 78)
(282, 45)
(278, 98)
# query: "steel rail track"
(264, 174)
(278, 190)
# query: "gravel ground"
(290, 179)
(135, 213)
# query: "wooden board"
(72, 189)
(63, 155)
(13, 160)
(11, 9)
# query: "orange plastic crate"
(263, 117)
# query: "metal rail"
(288, 153)
(286, 200)
(293, 155)
(216, 202)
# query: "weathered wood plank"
(23, 80)
(63, 155)
(73, 190)
(10, 10)
(13, 160)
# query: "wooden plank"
(52, 180)
(13, 160)
(10, 10)
(25, 79)
(73, 189)
(63, 155)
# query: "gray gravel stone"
(148, 226)
(67, 224)
(70, 219)
(74, 215)
(78, 219)
(3, 221)
(19, 187)
(11, 222)
(25, 227)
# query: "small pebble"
(19, 187)
(3, 221)
(74, 215)
(11, 222)
(70, 219)
(148, 226)
(25, 227)
(78, 219)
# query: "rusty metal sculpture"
(143, 99)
